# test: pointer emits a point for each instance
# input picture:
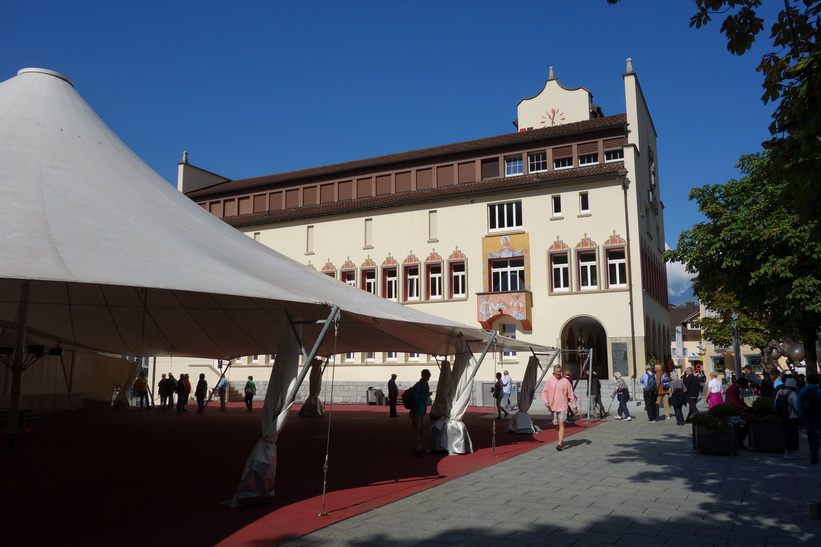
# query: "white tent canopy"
(99, 252)
(115, 259)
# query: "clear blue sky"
(251, 88)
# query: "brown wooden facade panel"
(422, 177)
(404, 182)
(383, 185)
(444, 175)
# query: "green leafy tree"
(792, 78)
(753, 257)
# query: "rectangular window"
(411, 283)
(505, 216)
(560, 272)
(433, 226)
(413, 356)
(458, 280)
(588, 159)
(434, 281)
(557, 205)
(509, 330)
(368, 233)
(562, 163)
(513, 166)
(349, 277)
(536, 162)
(390, 356)
(507, 275)
(255, 358)
(309, 240)
(349, 357)
(369, 281)
(616, 268)
(584, 202)
(587, 270)
(370, 356)
(390, 284)
(613, 155)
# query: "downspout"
(625, 184)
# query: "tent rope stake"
(325, 466)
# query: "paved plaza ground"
(619, 483)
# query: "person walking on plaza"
(809, 408)
(250, 391)
(692, 386)
(507, 388)
(714, 391)
(419, 394)
(595, 393)
(557, 393)
(788, 399)
(141, 386)
(663, 386)
(622, 394)
(222, 391)
(393, 395)
(200, 393)
(678, 396)
(497, 396)
(650, 389)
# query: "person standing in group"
(678, 396)
(162, 391)
(595, 392)
(200, 393)
(809, 408)
(171, 389)
(692, 385)
(714, 391)
(507, 388)
(498, 387)
(182, 396)
(558, 397)
(222, 391)
(250, 391)
(663, 386)
(419, 394)
(393, 395)
(650, 388)
(141, 387)
(788, 397)
(622, 394)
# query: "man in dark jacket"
(692, 385)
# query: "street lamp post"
(736, 347)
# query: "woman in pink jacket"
(557, 392)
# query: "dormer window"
(514, 166)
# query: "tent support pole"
(68, 381)
(332, 318)
(13, 423)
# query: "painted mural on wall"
(506, 279)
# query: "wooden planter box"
(767, 437)
(708, 441)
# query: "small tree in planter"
(717, 430)
(765, 427)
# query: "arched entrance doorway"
(585, 332)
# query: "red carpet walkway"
(130, 477)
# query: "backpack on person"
(625, 394)
(407, 397)
(810, 404)
(665, 380)
(650, 385)
(782, 404)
